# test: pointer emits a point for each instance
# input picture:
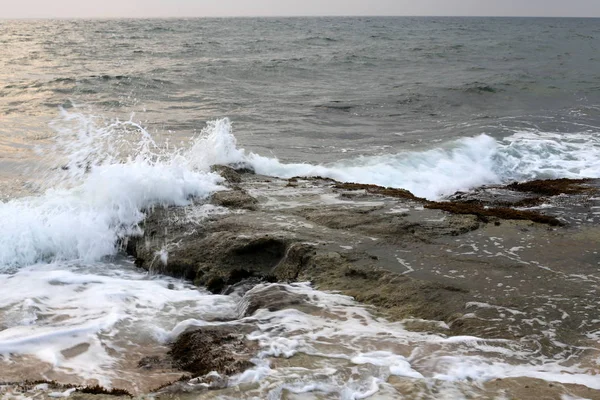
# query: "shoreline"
(401, 254)
(459, 268)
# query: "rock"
(213, 254)
(232, 173)
(274, 298)
(229, 174)
(154, 363)
(401, 296)
(379, 190)
(555, 187)
(388, 249)
(223, 349)
(236, 199)
(485, 213)
(391, 227)
(225, 258)
(296, 259)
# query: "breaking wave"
(455, 166)
(97, 195)
(109, 173)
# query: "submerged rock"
(274, 298)
(223, 349)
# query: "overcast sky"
(201, 8)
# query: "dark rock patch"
(554, 187)
(275, 298)
(484, 214)
(229, 174)
(223, 349)
(311, 178)
(379, 190)
(100, 390)
(237, 199)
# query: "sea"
(101, 120)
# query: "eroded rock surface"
(489, 267)
(222, 349)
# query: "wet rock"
(274, 298)
(154, 362)
(408, 257)
(497, 196)
(296, 259)
(379, 190)
(223, 349)
(229, 174)
(236, 199)
(485, 213)
(225, 258)
(554, 187)
(389, 226)
(212, 254)
(401, 296)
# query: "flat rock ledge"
(483, 262)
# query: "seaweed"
(182, 378)
(311, 178)
(97, 389)
(553, 187)
(484, 214)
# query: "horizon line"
(294, 16)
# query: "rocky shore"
(517, 262)
(521, 247)
(513, 262)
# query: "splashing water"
(105, 179)
(75, 315)
(456, 166)
(98, 196)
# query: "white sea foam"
(100, 196)
(112, 171)
(458, 165)
(97, 197)
(362, 352)
(114, 309)
(46, 309)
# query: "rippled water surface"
(305, 89)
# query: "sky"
(212, 8)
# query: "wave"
(109, 173)
(455, 166)
(97, 196)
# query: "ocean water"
(100, 119)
